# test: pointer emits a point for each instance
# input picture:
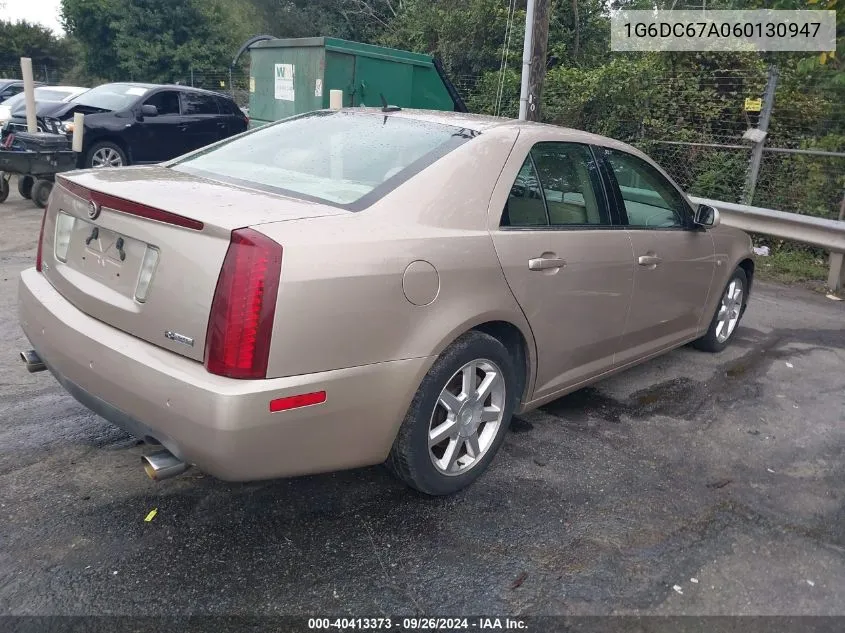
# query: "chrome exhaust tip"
(32, 361)
(163, 465)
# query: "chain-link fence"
(41, 73)
(693, 123)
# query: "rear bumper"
(223, 426)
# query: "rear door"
(567, 262)
(201, 122)
(674, 261)
(159, 137)
(232, 116)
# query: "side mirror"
(149, 110)
(707, 216)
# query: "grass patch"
(792, 264)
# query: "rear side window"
(558, 186)
(228, 107)
(349, 159)
(198, 103)
(525, 206)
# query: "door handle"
(546, 263)
(649, 260)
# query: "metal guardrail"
(821, 232)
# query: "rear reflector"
(148, 267)
(297, 402)
(64, 229)
(39, 253)
(241, 322)
(129, 207)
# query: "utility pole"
(534, 58)
(527, 49)
(539, 46)
(763, 126)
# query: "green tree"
(156, 40)
(22, 39)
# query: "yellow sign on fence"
(753, 105)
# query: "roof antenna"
(388, 108)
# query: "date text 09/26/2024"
(417, 624)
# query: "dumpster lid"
(350, 48)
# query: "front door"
(674, 260)
(160, 137)
(567, 263)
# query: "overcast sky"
(46, 12)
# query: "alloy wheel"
(467, 417)
(729, 311)
(106, 157)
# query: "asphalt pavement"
(693, 484)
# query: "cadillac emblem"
(93, 210)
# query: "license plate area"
(109, 257)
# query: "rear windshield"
(345, 158)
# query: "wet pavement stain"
(520, 425)
(682, 397)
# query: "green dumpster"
(292, 76)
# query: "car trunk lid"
(141, 248)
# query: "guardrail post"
(763, 126)
(836, 276)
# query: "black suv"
(132, 123)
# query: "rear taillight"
(39, 253)
(241, 321)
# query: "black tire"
(710, 341)
(409, 458)
(25, 186)
(41, 192)
(105, 146)
(4, 189)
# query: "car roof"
(171, 87)
(134, 84)
(482, 122)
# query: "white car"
(42, 93)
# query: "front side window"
(345, 158)
(558, 186)
(166, 102)
(650, 199)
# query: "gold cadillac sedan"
(356, 287)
